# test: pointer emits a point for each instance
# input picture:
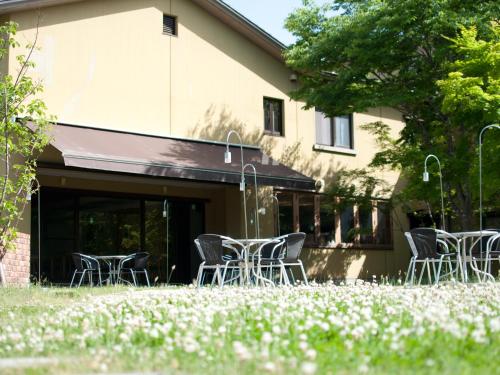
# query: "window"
(169, 25)
(335, 132)
(306, 215)
(327, 223)
(347, 228)
(286, 213)
(366, 225)
(273, 116)
(383, 231)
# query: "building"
(145, 93)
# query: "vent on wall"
(169, 25)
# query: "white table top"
(475, 233)
(104, 257)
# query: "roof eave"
(244, 26)
(217, 8)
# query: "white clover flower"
(308, 368)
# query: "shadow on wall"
(321, 264)
(340, 264)
(216, 124)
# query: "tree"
(359, 54)
(18, 144)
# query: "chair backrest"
(425, 241)
(273, 249)
(84, 262)
(200, 251)
(294, 243)
(140, 260)
(483, 242)
(210, 248)
(493, 243)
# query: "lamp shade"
(227, 157)
(425, 176)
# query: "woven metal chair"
(134, 264)
(492, 253)
(211, 248)
(294, 242)
(85, 265)
(267, 259)
(424, 247)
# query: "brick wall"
(16, 263)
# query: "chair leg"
(147, 278)
(408, 272)
(72, 279)
(81, 278)
(438, 274)
(303, 273)
(199, 276)
(133, 277)
(424, 263)
(429, 272)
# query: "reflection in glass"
(327, 222)
(286, 212)
(366, 225)
(109, 226)
(347, 225)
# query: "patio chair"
(293, 246)
(492, 253)
(267, 258)
(85, 265)
(135, 264)
(424, 246)
(211, 249)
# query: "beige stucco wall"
(107, 64)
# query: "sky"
(269, 14)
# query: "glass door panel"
(109, 226)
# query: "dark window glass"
(366, 224)
(383, 224)
(327, 222)
(347, 225)
(286, 212)
(306, 215)
(273, 116)
(109, 225)
(169, 25)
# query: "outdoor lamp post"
(257, 227)
(227, 160)
(274, 197)
(426, 179)
(28, 198)
(493, 126)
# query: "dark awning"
(115, 151)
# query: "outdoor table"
(248, 243)
(112, 261)
(471, 237)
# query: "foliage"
(18, 143)
(354, 55)
(364, 328)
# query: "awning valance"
(121, 152)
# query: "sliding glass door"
(107, 224)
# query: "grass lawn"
(305, 330)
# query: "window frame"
(333, 123)
(273, 132)
(315, 242)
